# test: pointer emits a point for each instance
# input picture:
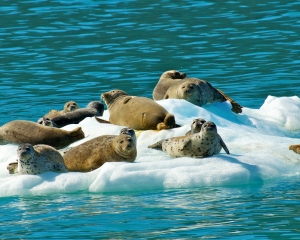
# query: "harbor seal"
(46, 122)
(295, 148)
(139, 113)
(92, 154)
(165, 81)
(94, 108)
(22, 131)
(68, 107)
(199, 145)
(196, 126)
(38, 159)
(198, 92)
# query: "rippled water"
(55, 51)
(253, 212)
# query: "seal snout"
(209, 126)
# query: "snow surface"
(258, 140)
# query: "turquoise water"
(270, 211)
(52, 52)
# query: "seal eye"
(121, 141)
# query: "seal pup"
(22, 131)
(38, 159)
(196, 126)
(165, 81)
(68, 107)
(94, 108)
(199, 145)
(139, 113)
(295, 148)
(92, 154)
(198, 92)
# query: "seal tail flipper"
(157, 145)
(295, 148)
(237, 108)
(169, 122)
(12, 167)
(224, 146)
(101, 120)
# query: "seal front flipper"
(157, 145)
(101, 120)
(237, 108)
(224, 146)
(12, 167)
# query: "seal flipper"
(169, 122)
(12, 167)
(224, 146)
(157, 145)
(100, 120)
(237, 108)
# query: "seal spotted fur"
(38, 159)
(139, 113)
(203, 144)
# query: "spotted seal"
(139, 113)
(92, 154)
(68, 107)
(22, 131)
(295, 148)
(165, 81)
(94, 108)
(203, 144)
(38, 159)
(196, 126)
(46, 122)
(198, 92)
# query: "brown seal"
(295, 148)
(94, 108)
(92, 154)
(21, 131)
(199, 92)
(203, 144)
(139, 113)
(165, 81)
(68, 107)
(38, 159)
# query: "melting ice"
(258, 140)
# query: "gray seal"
(199, 92)
(199, 145)
(165, 81)
(196, 126)
(94, 108)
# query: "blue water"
(52, 52)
